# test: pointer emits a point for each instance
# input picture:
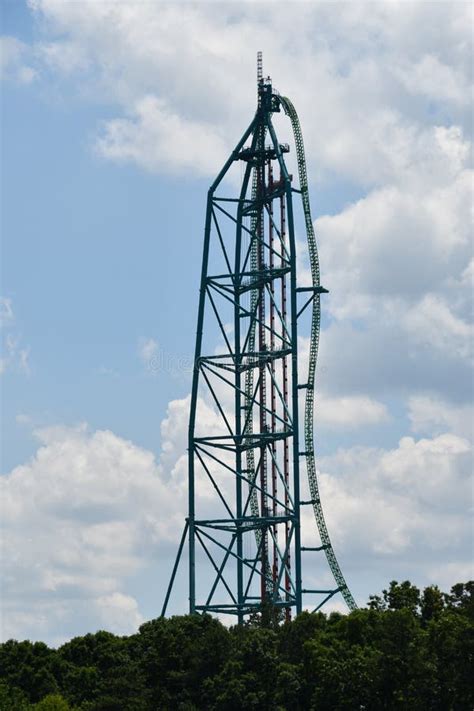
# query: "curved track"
(313, 355)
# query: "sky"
(116, 116)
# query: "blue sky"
(110, 138)
(92, 265)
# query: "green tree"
(401, 596)
(293, 635)
(32, 667)
(451, 646)
(461, 598)
(103, 673)
(344, 676)
(52, 702)
(432, 603)
(177, 656)
(249, 678)
(409, 651)
(406, 673)
(289, 687)
(12, 699)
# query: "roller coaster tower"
(246, 446)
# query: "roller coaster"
(244, 523)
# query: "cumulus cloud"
(367, 124)
(14, 61)
(397, 263)
(383, 108)
(335, 410)
(157, 138)
(435, 79)
(90, 510)
(432, 322)
(430, 414)
(405, 510)
(119, 612)
(79, 519)
(355, 411)
(62, 56)
(385, 111)
(85, 514)
(402, 241)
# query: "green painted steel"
(313, 356)
(257, 448)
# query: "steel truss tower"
(246, 446)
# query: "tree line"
(408, 650)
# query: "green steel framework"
(247, 459)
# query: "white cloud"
(410, 503)
(62, 56)
(391, 117)
(354, 411)
(15, 358)
(174, 434)
(148, 351)
(433, 415)
(432, 322)
(12, 65)
(6, 311)
(119, 612)
(157, 138)
(397, 242)
(384, 109)
(91, 509)
(22, 419)
(23, 361)
(362, 67)
(79, 519)
(434, 79)
(173, 462)
(85, 514)
(397, 264)
(333, 409)
(443, 574)
(344, 412)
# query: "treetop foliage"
(408, 650)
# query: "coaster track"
(313, 355)
(259, 531)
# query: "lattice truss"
(244, 527)
(246, 459)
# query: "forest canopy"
(408, 649)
